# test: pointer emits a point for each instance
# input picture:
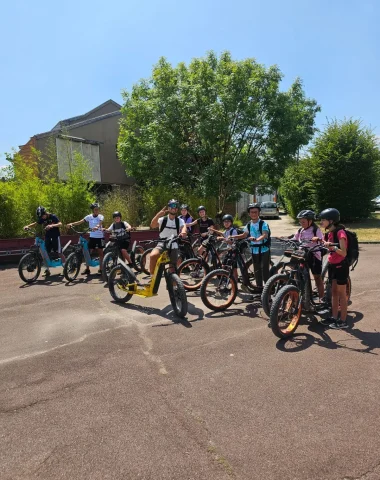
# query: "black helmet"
(94, 205)
(330, 214)
(201, 207)
(228, 217)
(116, 214)
(173, 201)
(40, 211)
(308, 214)
(253, 205)
(185, 206)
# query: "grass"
(367, 230)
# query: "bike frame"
(151, 289)
(47, 261)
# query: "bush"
(298, 188)
(124, 200)
(347, 156)
(24, 191)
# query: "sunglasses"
(173, 205)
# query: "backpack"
(268, 241)
(165, 221)
(352, 256)
(126, 235)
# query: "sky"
(61, 59)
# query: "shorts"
(315, 265)
(123, 245)
(95, 243)
(339, 272)
(173, 253)
(53, 244)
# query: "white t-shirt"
(170, 228)
(118, 230)
(94, 222)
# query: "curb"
(369, 243)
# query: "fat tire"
(267, 295)
(180, 310)
(25, 259)
(205, 266)
(111, 286)
(107, 256)
(71, 277)
(207, 279)
(275, 311)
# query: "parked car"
(377, 202)
(269, 209)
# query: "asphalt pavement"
(91, 389)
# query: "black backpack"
(352, 256)
(165, 221)
(268, 241)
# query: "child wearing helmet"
(95, 222)
(185, 215)
(257, 232)
(338, 268)
(50, 223)
(226, 235)
(311, 233)
(204, 224)
(121, 229)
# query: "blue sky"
(61, 59)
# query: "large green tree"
(347, 158)
(214, 127)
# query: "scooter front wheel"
(119, 280)
(177, 294)
(72, 267)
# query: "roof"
(79, 124)
(79, 118)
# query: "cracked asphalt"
(95, 390)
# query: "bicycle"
(37, 256)
(291, 299)
(81, 252)
(193, 270)
(123, 284)
(219, 287)
(279, 275)
(114, 252)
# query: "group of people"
(256, 232)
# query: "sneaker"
(244, 288)
(338, 325)
(46, 273)
(99, 272)
(86, 271)
(327, 322)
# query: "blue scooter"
(29, 267)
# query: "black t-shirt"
(52, 232)
(205, 224)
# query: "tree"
(298, 186)
(213, 127)
(347, 158)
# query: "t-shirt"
(51, 219)
(187, 219)
(205, 224)
(254, 231)
(229, 232)
(334, 258)
(170, 229)
(307, 234)
(94, 222)
(117, 228)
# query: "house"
(93, 134)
